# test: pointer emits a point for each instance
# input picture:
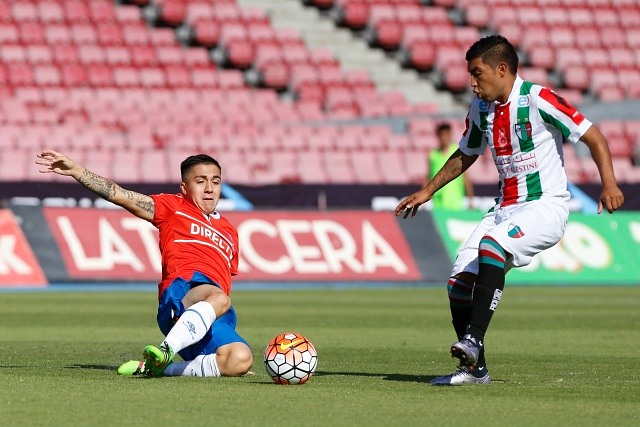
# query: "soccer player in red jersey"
(199, 255)
(523, 125)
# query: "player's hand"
(411, 204)
(611, 199)
(56, 162)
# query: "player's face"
(203, 185)
(487, 82)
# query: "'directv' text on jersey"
(525, 137)
(191, 241)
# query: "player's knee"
(460, 289)
(221, 303)
(238, 361)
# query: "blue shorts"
(222, 332)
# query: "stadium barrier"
(70, 245)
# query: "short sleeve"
(557, 112)
(474, 141)
(165, 205)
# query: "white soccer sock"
(201, 366)
(192, 326)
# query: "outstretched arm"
(611, 198)
(453, 168)
(138, 204)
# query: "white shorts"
(522, 230)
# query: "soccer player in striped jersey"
(199, 251)
(523, 125)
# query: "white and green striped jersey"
(525, 137)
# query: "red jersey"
(191, 241)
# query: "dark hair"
(442, 127)
(494, 50)
(198, 159)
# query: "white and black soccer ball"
(290, 358)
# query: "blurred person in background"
(451, 197)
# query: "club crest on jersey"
(514, 231)
(523, 130)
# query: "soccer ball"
(290, 358)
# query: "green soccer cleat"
(133, 368)
(157, 359)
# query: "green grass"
(559, 357)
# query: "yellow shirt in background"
(451, 196)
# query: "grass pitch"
(558, 356)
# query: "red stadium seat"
(73, 75)
(91, 54)
(152, 77)
(388, 34)
(595, 58)
(100, 75)
(567, 57)
(57, 33)
(39, 54)
(275, 75)
(134, 34)
(31, 32)
(606, 17)
(535, 74)
(24, 11)
(613, 37)
(576, 77)
(581, 17)
(9, 34)
(629, 17)
(109, 34)
(20, 74)
(422, 55)
(623, 58)
(117, 55)
(172, 12)
(206, 32)
(240, 54)
(84, 34)
(456, 78)
(101, 11)
(46, 75)
(76, 11)
(354, 14)
(13, 53)
(477, 15)
(589, 37)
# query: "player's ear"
(183, 188)
(503, 68)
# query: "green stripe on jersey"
(548, 118)
(534, 189)
(475, 137)
(526, 145)
(525, 89)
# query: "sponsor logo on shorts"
(515, 231)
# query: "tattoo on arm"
(108, 190)
(101, 186)
(146, 204)
(451, 170)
